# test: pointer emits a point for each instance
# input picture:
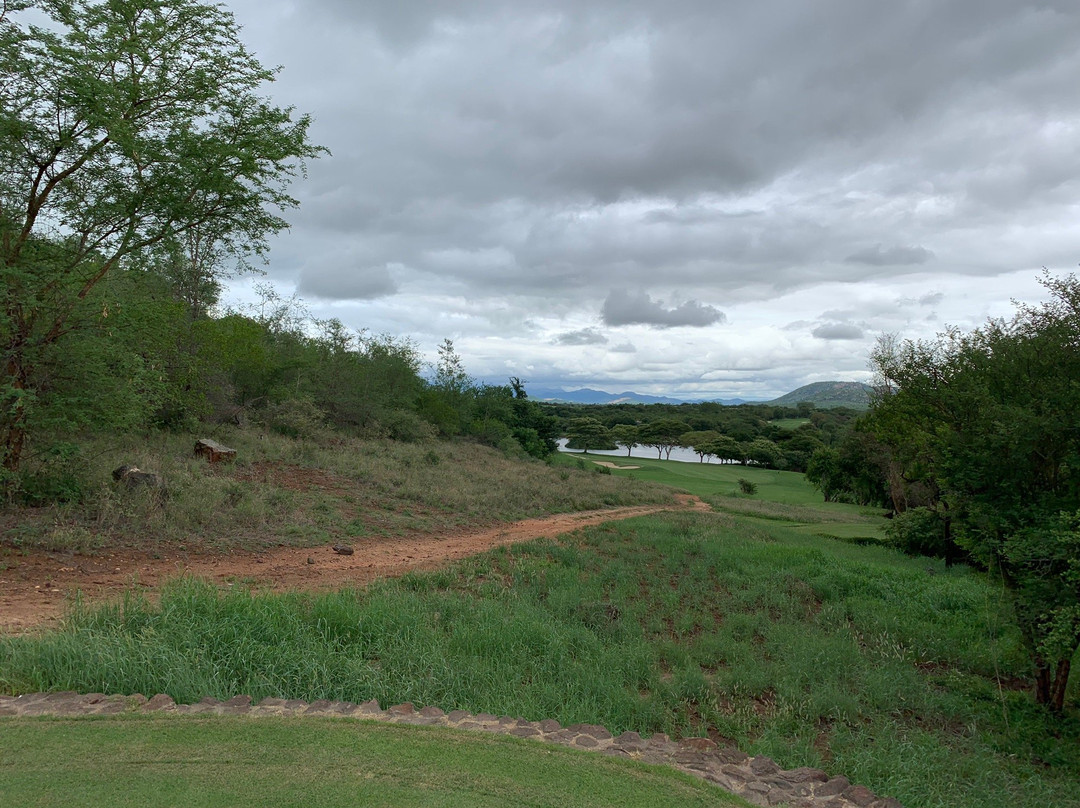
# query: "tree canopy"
(987, 422)
(125, 126)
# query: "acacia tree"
(992, 414)
(627, 436)
(124, 124)
(663, 435)
(699, 441)
(588, 433)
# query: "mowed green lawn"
(232, 762)
(780, 495)
(704, 479)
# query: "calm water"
(678, 453)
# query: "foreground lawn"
(233, 762)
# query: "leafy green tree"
(725, 449)
(449, 398)
(763, 452)
(124, 124)
(626, 435)
(992, 414)
(700, 441)
(852, 471)
(535, 430)
(663, 435)
(824, 473)
(588, 433)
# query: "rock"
(699, 744)
(214, 451)
(133, 477)
(834, 786)
(762, 765)
(859, 795)
(162, 701)
(342, 549)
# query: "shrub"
(922, 531)
(747, 487)
(407, 426)
(295, 418)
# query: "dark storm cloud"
(838, 331)
(637, 308)
(879, 256)
(586, 336)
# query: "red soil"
(35, 588)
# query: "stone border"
(758, 780)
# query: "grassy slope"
(237, 762)
(284, 491)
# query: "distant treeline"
(761, 434)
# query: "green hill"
(855, 395)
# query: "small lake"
(679, 453)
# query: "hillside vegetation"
(285, 491)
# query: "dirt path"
(34, 591)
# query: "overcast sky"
(696, 198)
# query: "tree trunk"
(1050, 690)
(13, 420)
(1060, 685)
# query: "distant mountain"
(855, 395)
(589, 396)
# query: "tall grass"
(900, 673)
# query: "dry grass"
(306, 492)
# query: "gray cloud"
(497, 162)
(637, 308)
(837, 331)
(931, 299)
(879, 256)
(586, 336)
(358, 283)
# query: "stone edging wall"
(758, 780)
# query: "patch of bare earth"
(35, 588)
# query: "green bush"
(747, 487)
(295, 418)
(407, 427)
(921, 531)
